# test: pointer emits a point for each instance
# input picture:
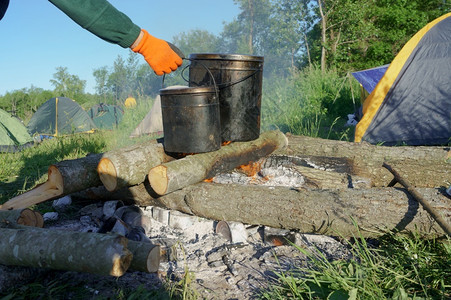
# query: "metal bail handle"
(203, 65)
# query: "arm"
(105, 21)
(102, 19)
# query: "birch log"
(177, 174)
(65, 177)
(422, 166)
(319, 211)
(104, 254)
(129, 166)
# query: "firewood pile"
(284, 182)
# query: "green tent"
(106, 116)
(13, 134)
(60, 116)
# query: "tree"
(101, 77)
(67, 85)
(247, 33)
(287, 42)
(357, 34)
(197, 41)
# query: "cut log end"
(107, 173)
(55, 178)
(153, 260)
(25, 217)
(158, 179)
(29, 217)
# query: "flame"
(225, 143)
(251, 169)
(208, 180)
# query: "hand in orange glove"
(158, 54)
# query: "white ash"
(269, 176)
(220, 268)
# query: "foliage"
(400, 267)
(197, 41)
(23, 103)
(67, 85)
(363, 34)
(308, 102)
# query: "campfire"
(222, 206)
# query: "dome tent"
(106, 116)
(60, 116)
(13, 134)
(152, 124)
(411, 103)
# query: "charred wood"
(192, 169)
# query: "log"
(328, 211)
(192, 169)
(104, 254)
(64, 178)
(321, 179)
(146, 256)
(25, 216)
(423, 166)
(129, 166)
(425, 203)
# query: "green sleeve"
(102, 19)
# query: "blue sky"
(36, 37)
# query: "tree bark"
(328, 211)
(425, 203)
(192, 169)
(422, 166)
(129, 166)
(104, 254)
(64, 178)
(146, 256)
(25, 216)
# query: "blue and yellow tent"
(411, 103)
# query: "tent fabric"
(106, 116)
(13, 134)
(130, 102)
(60, 116)
(153, 121)
(370, 77)
(411, 104)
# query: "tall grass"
(309, 102)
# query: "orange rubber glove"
(158, 54)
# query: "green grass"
(399, 267)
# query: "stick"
(434, 214)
